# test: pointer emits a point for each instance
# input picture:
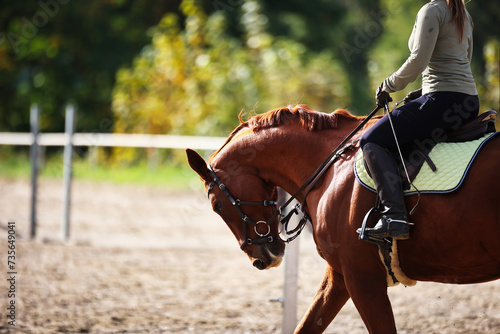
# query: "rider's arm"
(422, 42)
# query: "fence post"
(290, 286)
(34, 113)
(68, 169)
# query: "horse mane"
(309, 119)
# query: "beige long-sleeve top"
(437, 54)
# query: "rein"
(336, 153)
(307, 186)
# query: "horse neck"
(290, 155)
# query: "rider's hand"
(413, 95)
(381, 97)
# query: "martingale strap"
(295, 232)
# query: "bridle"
(306, 188)
(277, 212)
(237, 203)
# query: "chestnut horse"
(455, 239)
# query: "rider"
(441, 50)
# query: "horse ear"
(198, 164)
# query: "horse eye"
(218, 207)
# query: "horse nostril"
(259, 264)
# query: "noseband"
(237, 203)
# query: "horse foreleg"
(369, 294)
(329, 299)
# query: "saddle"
(415, 155)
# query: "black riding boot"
(394, 221)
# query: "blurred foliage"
(196, 80)
(56, 51)
(190, 66)
(486, 62)
(392, 49)
(348, 29)
(490, 85)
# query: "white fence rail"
(69, 139)
(113, 140)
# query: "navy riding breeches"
(430, 116)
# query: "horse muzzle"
(266, 258)
(261, 265)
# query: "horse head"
(247, 204)
(238, 176)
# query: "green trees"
(55, 51)
(199, 63)
(196, 80)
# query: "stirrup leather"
(390, 220)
